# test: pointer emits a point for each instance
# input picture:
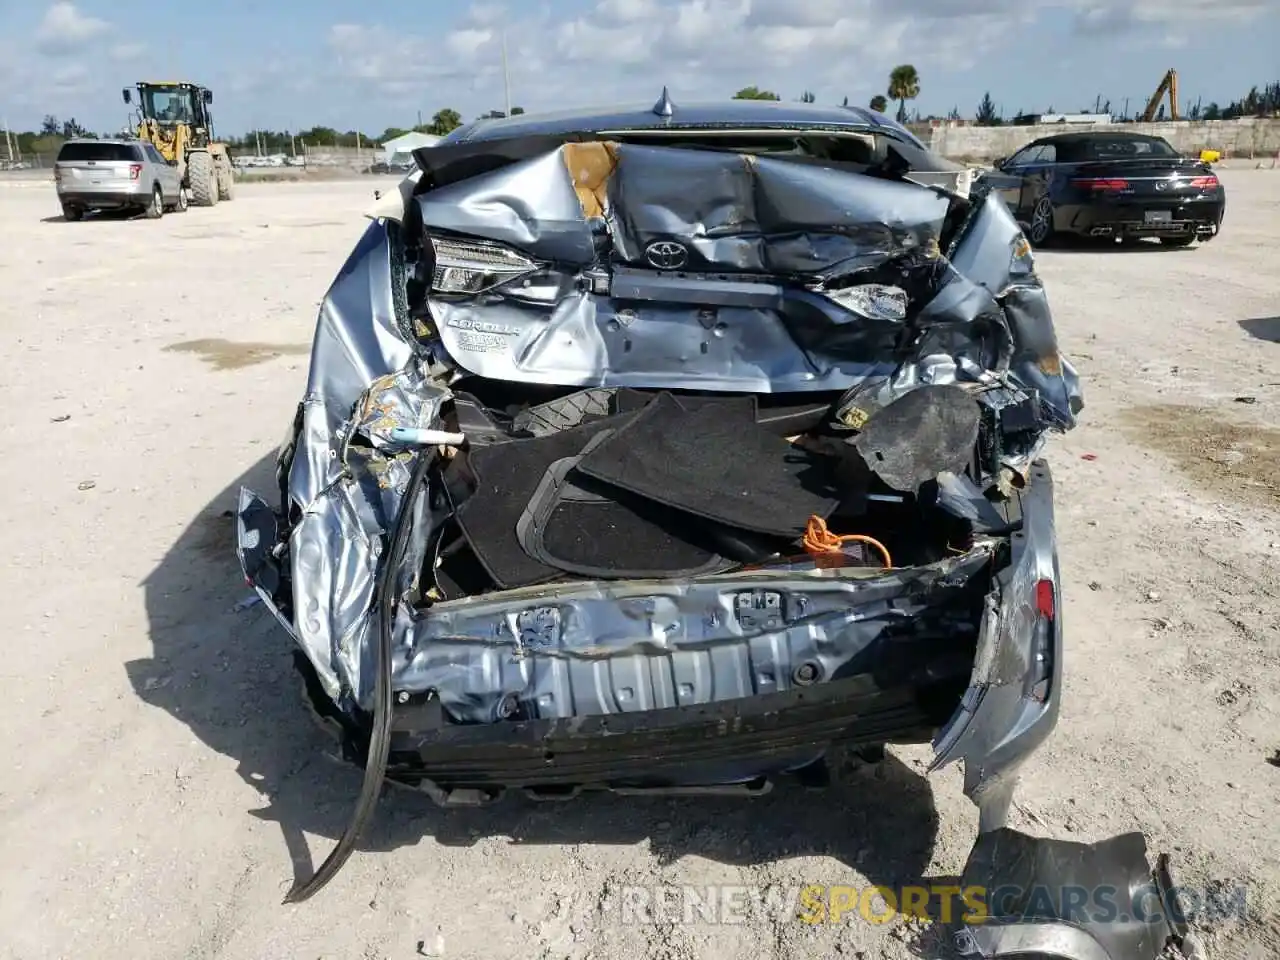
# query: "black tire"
(1040, 227)
(72, 213)
(180, 205)
(1178, 241)
(155, 209)
(200, 174)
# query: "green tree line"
(903, 86)
(53, 132)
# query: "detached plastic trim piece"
(375, 765)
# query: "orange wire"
(820, 541)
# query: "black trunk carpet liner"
(583, 527)
(714, 461)
(596, 530)
(507, 474)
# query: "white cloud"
(487, 14)
(65, 29)
(464, 43)
(393, 63)
(626, 50)
(126, 52)
(1096, 16)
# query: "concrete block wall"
(1247, 137)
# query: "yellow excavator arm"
(1168, 84)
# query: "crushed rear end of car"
(648, 467)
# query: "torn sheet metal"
(754, 219)
(747, 214)
(365, 379)
(531, 205)
(993, 252)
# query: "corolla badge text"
(483, 326)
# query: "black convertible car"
(1122, 186)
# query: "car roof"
(702, 115)
(1083, 136)
(131, 140)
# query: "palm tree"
(445, 121)
(904, 85)
(879, 103)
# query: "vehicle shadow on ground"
(105, 216)
(1263, 328)
(226, 673)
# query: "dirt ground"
(162, 781)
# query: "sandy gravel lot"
(161, 781)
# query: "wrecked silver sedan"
(662, 450)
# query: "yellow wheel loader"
(175, 118)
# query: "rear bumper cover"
(1075, 901)
(106, 200)
(1199, 217)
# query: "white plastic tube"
(427, 438)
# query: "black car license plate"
(1157, 216)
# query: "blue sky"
(292, 64)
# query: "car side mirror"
(127, 94)
(208, 96)
(999, 162)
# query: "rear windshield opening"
(88, 150)
(860, 148)
(1121, 148)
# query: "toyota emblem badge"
(666, 255)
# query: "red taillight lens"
(1044, 599)
(1100, 183)
(135, 171)
(1204, 183)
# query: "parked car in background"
(1122, 186)
(121, 174)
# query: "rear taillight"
(1105, 184)
(1041, 672)
(135, 171)
(1044, 599)
(1204, 183)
